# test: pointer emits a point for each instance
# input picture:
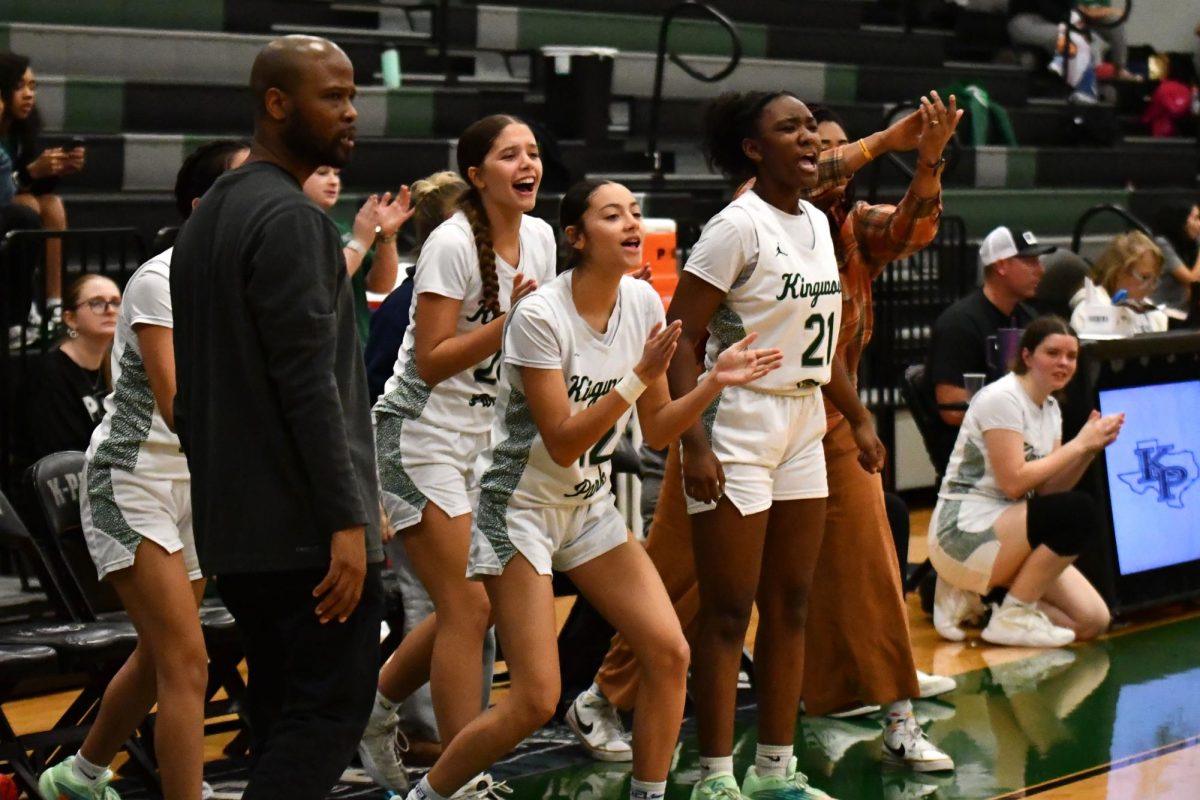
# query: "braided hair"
(473, 146)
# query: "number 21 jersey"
(780, 278)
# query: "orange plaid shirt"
(867, 238)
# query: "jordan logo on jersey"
(582, 389)
(779, 250)
(796, 288)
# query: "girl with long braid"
(436, 415)
(578, 356)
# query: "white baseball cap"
(1001, 244)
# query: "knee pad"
(1063, 522)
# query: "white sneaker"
(598, 727)
(854, 711)
(905, 745)
(1025, 626)
(952, 607)
(482, 787)
(933, 685)
(380, 752)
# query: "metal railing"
(704, 10)
(1105, 208)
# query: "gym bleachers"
(142, 82)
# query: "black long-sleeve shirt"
(271, 407)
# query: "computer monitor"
(1152, 477)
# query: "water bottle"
(390, 64)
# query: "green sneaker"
(718, 787)
(60, 783)
(793, 786)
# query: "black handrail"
(953, 151)
(660, 64)
(1112, 208)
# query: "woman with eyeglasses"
(1127, 273)
(66, 398)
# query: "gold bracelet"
(862, 145)
(386, 239)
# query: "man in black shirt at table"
(273, 415)
(1012, 269)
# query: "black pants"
(311, 686)
(18, 265)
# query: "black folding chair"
(92, 652)
(55, 483)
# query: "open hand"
(739, 365)
(657, 353)
(938, 123)
(521, 286)
(393, 212)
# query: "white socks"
(423, 791)
(647, 790)
(384, 709)
(772, 759)
(715, 766)
(87, 771)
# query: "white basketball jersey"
(449, 266)
(545, 331)
(780, 276)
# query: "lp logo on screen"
(1162, 470)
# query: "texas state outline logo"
(1162, 469)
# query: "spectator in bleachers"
(433, 200)
(1007, 515)
(1012, 269)
(1037, 24)
(1177, 230)
(66, 397)
(1125, 274)
(369, 244)
(137, 520)
(18, 282)
(37, 171)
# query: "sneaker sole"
(380, 780)
(938, 691)
(610, 756)
(890, 759)
(992, 638)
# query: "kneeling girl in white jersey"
(435, 417)
(137, 520)
(577, 355)
(754, 468)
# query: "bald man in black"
(273, 413)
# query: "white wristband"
(630, 387)
(357, 246)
